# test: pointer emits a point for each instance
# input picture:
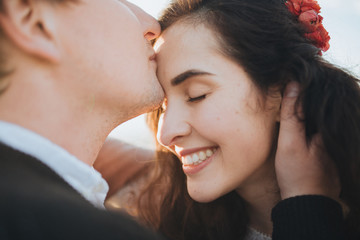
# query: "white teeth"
(187, 160)
(209, 153)
(197, 158)
(202, 156)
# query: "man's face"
(107, 50)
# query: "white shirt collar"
(83, 178)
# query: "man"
(68, 73)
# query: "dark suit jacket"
(36, 203)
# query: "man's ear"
(29, 24)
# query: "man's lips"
(152, 57)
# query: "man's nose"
(152, 28)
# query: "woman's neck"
(261, 194)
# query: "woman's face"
(215, 119)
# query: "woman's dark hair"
(268, 42)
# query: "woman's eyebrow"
(186, 75)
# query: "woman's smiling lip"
(193, 169)
(185, 152)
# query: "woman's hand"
(301, 168)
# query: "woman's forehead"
(183, 48)
(184, 35)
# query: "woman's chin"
(203, 197)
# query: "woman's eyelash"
(197, 98)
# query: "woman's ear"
(29, 25)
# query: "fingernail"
(292, 90)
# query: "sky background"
(341, 19)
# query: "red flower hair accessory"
(307, 12)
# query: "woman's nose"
(172, 127)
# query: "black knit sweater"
(309, 217)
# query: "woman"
(224, 65)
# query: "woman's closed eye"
(196, 99)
